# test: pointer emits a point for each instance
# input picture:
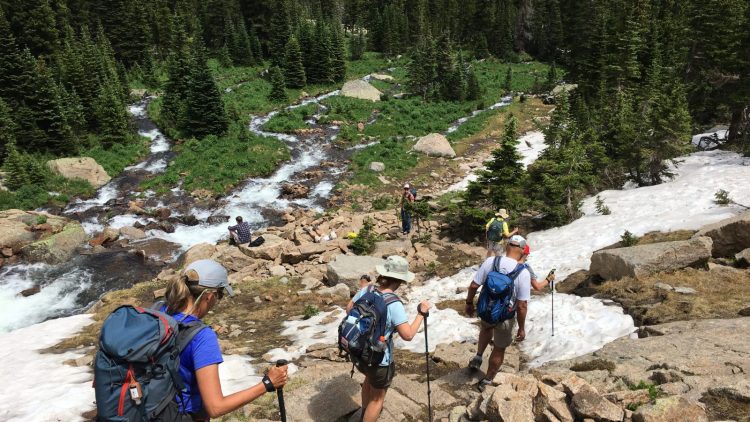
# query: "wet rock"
(377, 166)
(587, 403)
(643, 260)
(675, 408)
(348, 269)
(435, 144)
(217, 219)
(81, 168)
(360, 89)
(58, 247)
(294, 190)
(31, 291)
(132, 233)
(190, 220)
(162, 213)
(164, 226)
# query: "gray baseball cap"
(517, 240)
(211, 274)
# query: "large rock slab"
(670, 409)
(197, 252)
(589, 404)
(722, 359)
(297, 254)
(58, 247)
(643, 260)
(81, 168)
(436, 145)
(19, 228)
(507, 405)
(386, 248)
(348, 268)
(360, 89)
(730, 235)
(270, 250)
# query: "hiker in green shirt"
(496, 231)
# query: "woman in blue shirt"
(190, 298)
(393, 273)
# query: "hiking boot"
(482, 384)
(475, 362)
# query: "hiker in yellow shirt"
(496, 231)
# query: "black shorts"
(380, 377)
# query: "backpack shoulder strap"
(188, 331)
(517, 271)
(156, 306)
(496, 264)
(389, 298)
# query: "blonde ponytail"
(180, 289)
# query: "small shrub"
(722, 197)
(424, 238)
(382, 203)
(311, 311)
(653, 390)
(41, 219)
(628, 239)
(601, 208)
(594, 365)
(366, 238)
(431, 269)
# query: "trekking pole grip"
(280, 393)
(419, 311)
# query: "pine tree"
(338, 55)
(205, 109)
(294, 71)
(255, 46)
(278, 93)
(357, 46)
(242, 50)
(111, 117)
(306, 38)
(15, 76)
(280, 32)
(7, 128)
(46, 106)
(320, 71)
(508, 84)
(36, 27)
(473, 90)
(552, 76)
(225, 59)
(15, 166)
(500, 184)
(179, 65)
(481, 51)
(422, 68)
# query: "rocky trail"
(598, 366)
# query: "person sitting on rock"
(189, 298)
(407, 198)
(392, 274)
(502, 332)
(239, 234)
(496, 231)
(535, 283)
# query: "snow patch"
(38, 386)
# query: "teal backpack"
(495, 232)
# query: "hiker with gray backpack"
(506, 290)
(162, 363)
(373, 316)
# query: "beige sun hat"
(502, 212)
(395, 267)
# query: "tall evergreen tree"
(15, 76)
(473, 90)
(357, 45)
(294, 71)
(320, 71)
(338, 55)
(35, 27)
(46, 106)
(500, 185)
(15, 165)
(7, 129)
(278, 93)
(508, 84)
(280, 32)
(111, 116)
(205, 109)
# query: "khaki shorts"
(495, 246)
(502, 334)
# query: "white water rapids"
(582, 324)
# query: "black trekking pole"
(552, 286)
(427, 361)
(280, 393)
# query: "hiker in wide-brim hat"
(391, 275)
(496, 231)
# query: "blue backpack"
(494, 304)
(137, 367)
(362, 332)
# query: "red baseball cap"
(526, 250)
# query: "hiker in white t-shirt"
(502, 332)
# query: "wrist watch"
(268, 384)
